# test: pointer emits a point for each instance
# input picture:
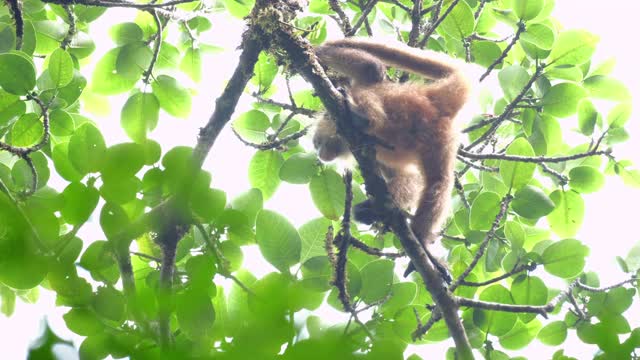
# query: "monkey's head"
(329, 144)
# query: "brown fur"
(415, 119)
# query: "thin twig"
(71, 17)
(343, 20)
(504, 205)
(363, 16)
(157, 42)
(505, 52)
(477, 166)
(517, 269)
(274, 144)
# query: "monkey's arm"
(363, 68)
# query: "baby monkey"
(413, 123)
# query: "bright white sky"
(608, 213)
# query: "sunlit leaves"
(60, 67)
(17, 74)
(126, 33)
(264, 71)
(140, 115)
(328, 193)
(566, 218)
(239, 8)
(529, 290)
(87, 149)
(495, 322)
(527, 9)
(82, 321)
(313, 235)
(573, 47)
(512, 80)
(604, 87)
(484, 210)
(191, 64)
(252, 125)
(299, 168)
(585, 179)
(10, 107)
(517, 174)
(263, 171)
(21, 265)
(562, 99)
(109, 303)
(173, 97)
(27, 130)
(61, 123)
(539, 35)
(553, 334)
(106, 80)
(565, 258)
(278, 240)
(619, 115)
(79, 201)
(587, 117)
(531, 202)
(377, 277)
(460, 21)
(133, 59)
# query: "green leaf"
(529, 290)
(79, 201)
(484, 210)
(17, 74)
(140, 115)
(133, 60)
(106, 80)
(460, 22)
(249, 203)
(265, 71)
(83, 321)
(553, 334)
(112, 219)
(278, 240)
(497, 323)
(532, 203)
(313, 235)
(307, 99)
(328, 193)
(195, 314)
(169, 56)
(521, 335)
(633, 258)
(61, 123)
(512, 80)
(27, 130)
(87, 149)
(402, 294)
(527, 9)
(49, 34)
(587, 117)
(239, 8)
(517, 174)
(607, 88)
(263, 172)
(567, 217)
(585, 179)
(561, 100)
(515, 234)
(208, 203)
(123, 160)
(539, 35)
(191, 64)
(299, 168)
(377, 277)
(109, 303)
(60, 67)
(573, 47)
(126, 33)
(10, 107)
(619, 115)
(565, 258)
(173, 97)
(62, 163)
(252, 126)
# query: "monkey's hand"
(366, 213)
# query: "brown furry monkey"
(414, 121)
